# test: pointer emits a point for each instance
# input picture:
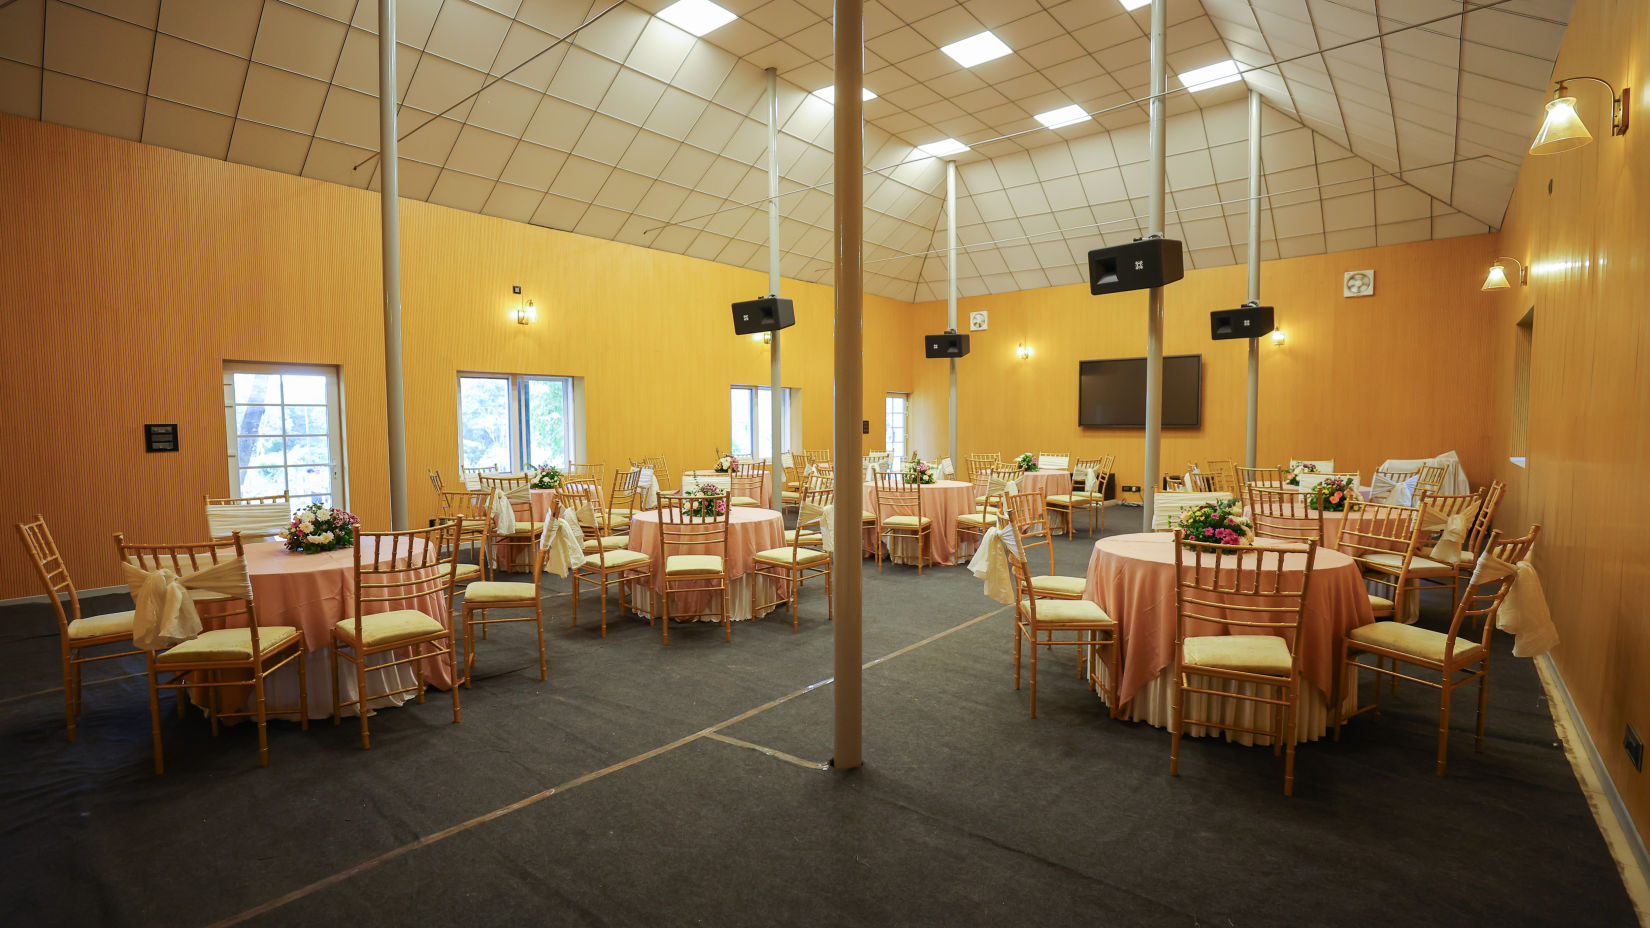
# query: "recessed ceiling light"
(1134, 4)
(696, 16)
(1221, 72)
(828, 94)
(1064, 116)
(977, 49)
(942, 148)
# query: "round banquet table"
(942, 501)
(1132, 577)
(314, 592)
(750, 529)
(1052, 483)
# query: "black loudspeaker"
(946, 345)
(1150, 262)
(1243, 322)
(769, 314)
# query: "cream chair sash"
(1524, 613)
(1170, 504)
(650, 488)
(692, 481)
(990, 563)
(1090, 478)
(226, 519)
(504, 514)
(1053, 462)
(947, 468)
(818, 516)
(1455, 528)
(583, 512)
(166, 612)
(563, 543)
(827, 527)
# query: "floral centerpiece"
(1332, 494)
(315, 529)
(1300, 467)
(705, 502)
(1026, 462)
(727, 464)
(543, 478)
(919, 472)
(1217, 523)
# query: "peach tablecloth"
(942, 501)
(1132, 577)
(750, 529)
(314, 592)
(1052, 483)
(541, 502)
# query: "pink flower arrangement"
(315, 529)
(920, 472)
(711, 504)
(1331, 494)
(1216, 523)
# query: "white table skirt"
(1152, 705)
(281, 687)
(745, 592)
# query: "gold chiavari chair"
(1245, 593)
(221, 656)
(820, 484)
(693, 539)
(503, 482)
(1437, 511)
(794, 563)
(1198, 482)
(1259, 476)
(475, 508)
(1479, 535)
(1039, 621)
(1445, 655)
(624, 501)
(1224, 472)
(75, 633)
(790, 495)
(1282, 515)
(1382, 539)
(989, 485)
(506, 547)
(471, 476)
(485, 595)
(392, 568)
(607, 560)
(253, 516)
(1089, 498)
(749, 486)
(1057, 456)
(978, 463)
(898, 509)
(1430, 479)
(440, 493)
(1028, 513)
(586, 470)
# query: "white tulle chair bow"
(165, 611)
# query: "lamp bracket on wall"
(1619, 102)
(1523, 272)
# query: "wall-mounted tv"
(1111, 393)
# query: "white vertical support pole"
(1252, 433)
(776, 392)
(389, 163)
(1154, 300)
(951, 286)
(846, 580)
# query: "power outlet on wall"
(1635, 748)
(1128, 489)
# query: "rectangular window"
(895, 411)
(514, 421)
(752, 409)
(285, 432)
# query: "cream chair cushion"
(609, 542)
(1268, 654)
(384, 628)
(678, 564)
(1423, 643)
(227, 644)
(527, 527)
(808, 538)
(96, 626)
(1381, 602)
(742, 501)
(617, 559)
(1418, 566)
(974, 518)
(500, 592)
(804, 556)
(906, 521)
(1068, 610)
(867, 516)
(465, 572)
(1060, 586)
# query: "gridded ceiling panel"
(637, 131)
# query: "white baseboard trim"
(41, 597)
(1611, 813)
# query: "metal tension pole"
(776, 393)
(1154, 300)
(390, 203)
(850, 401)
(951, 286)
(1251, 434)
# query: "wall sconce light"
(1563, 130)
(1277, 336)
(526, 314)
(765, 338)
(1497, 279)
(1024, 352)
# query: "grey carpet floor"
(965, 813)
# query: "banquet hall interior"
(816, 462)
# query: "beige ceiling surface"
(635, 130)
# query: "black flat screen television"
(1111, 393)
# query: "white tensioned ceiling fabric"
(637, 131)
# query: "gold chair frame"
(604, 564)
(787, 565)
(1283, 515)
(892, 491)
(475, 613)
(1091, 627)
(677, 528)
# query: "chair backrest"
(1241, 589)
(475, 506)
(1381, 529)
(191, 558)
(585, 499)
(891, 492)
(1447, 505)
(393, 567)
(810, 513)
(1054, 460)
(981, 462)
(1175, 484)
(751, 482)
(54, 574)
(1224, 472)
(1028, 513)
(1479, 535)
(1310, 480)
(471, 476)
(1431, 478)
(249, 515)
(440, 489)
(822, 456)
(1201, 483)
(1259, 476)
(1019, 576)
(1102, 467)
(1283, 514)
(1482, 601)
(627, 490)
(505, 482)
(694, 523)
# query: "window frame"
(518, 415)
(755, 390)
(337, 444)
(888, 442)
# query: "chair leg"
(361, 696)
(70, 710)
(1443, 724)
(1018, 635)
(154, 717)
(604, 600)
(262, 714)
(1176, 722)
(538, 620)
(1034, 675)
(727, 620)
(332, 652)
(1289, 741)
(1483, 704)
(469, 647)
(303, 688)
(418, 670)
(576, 603)
(664, 607)
(1337, 697)
(830, 601)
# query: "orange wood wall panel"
(1588, 438)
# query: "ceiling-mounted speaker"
(945, 345)
(1150, 262)
(1243, 322)
(769, 314)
